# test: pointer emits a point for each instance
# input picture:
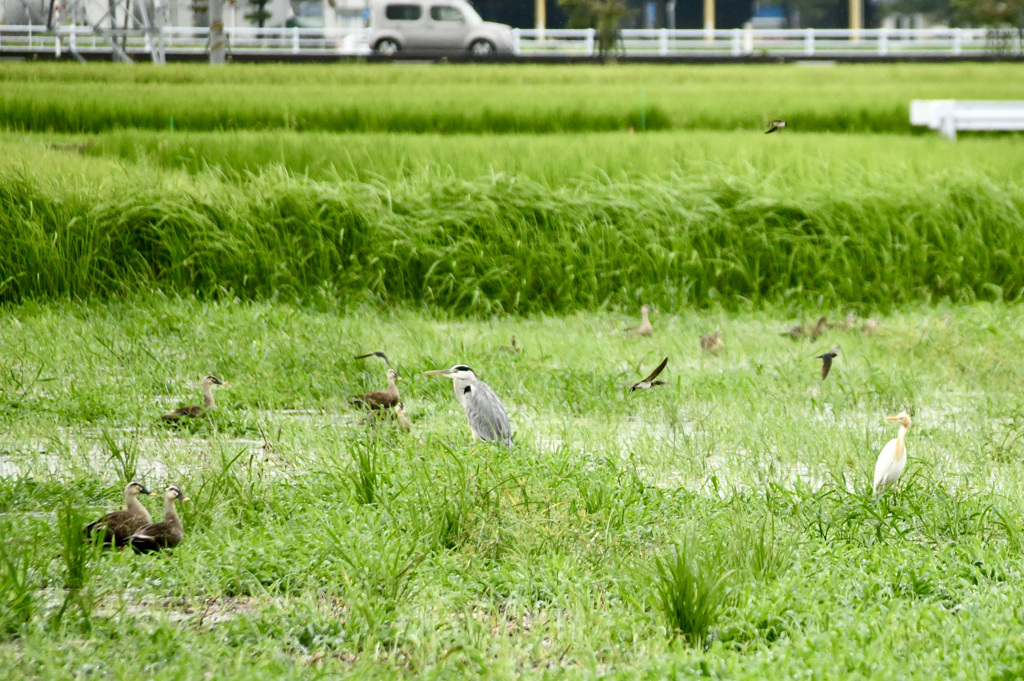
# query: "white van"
(435, 27)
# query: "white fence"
(653, 43)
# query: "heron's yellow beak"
(439, 372)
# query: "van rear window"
(403, 12)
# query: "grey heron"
(381, 399)
(194, 411)
(826, 361)
(645, 328)
(712, 342)
(376, 353)
(775, 125)
(485, 412)
(649, 382)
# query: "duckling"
(712, 342)
(381, 399)
(849, 322)
(194, 411)
(165, 535)
(645, 328)
(403, 420)
(870, 326)
(117, 526)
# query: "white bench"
(949, 115)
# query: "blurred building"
(303, 13)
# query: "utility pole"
(216, 32)
(540, 17)
(670, 12)
(856, 20)
(709, 20)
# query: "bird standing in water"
(485, 412)
(194, 411)
(826, 361)
(892, 460)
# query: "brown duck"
(194, 411)
(165, 535)
(381, 399)
(117, 526)
(712, 342)
(812, 331)
(645, 328)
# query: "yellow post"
(540, 17)
(709, 20)
(856, 16)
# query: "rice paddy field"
(721, 525)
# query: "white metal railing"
(648, 43)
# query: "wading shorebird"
(381, 399)
(826, 361)
(194, 411)
(117, 526)
(775, 125)
(484, 411)
(649, 382)
(163, 535)
(645, 328)
(892, 460)
(712, 342)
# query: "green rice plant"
(17, 583)
(368, 474)
(123, 454)
(766, 555)
(691, 595)
(77, 555)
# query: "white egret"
(892, 460)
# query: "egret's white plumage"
(485, 412)
(892, 460)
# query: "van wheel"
(386, 47)
(481, 48)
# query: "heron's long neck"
(901, 443)
(208, 402)
(171, 513)
(134, 506)
(459, 385)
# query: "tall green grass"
(706, 236)
(481, 98)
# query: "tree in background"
(259, 15)
(604, 15)
(995, 13)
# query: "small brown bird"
(775, 125)
(376, 353)
(649, 382)
(712, 342)
(194, 411)
(117, 526)
(870, 326)
(164, 535)
(826, 361)
(381, 399)
(800, 330)
(645, 328)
